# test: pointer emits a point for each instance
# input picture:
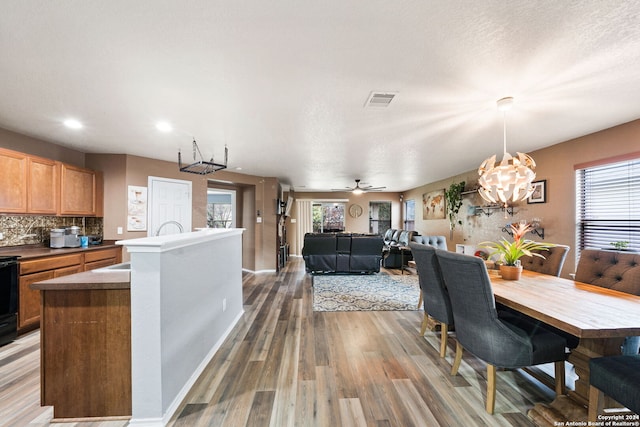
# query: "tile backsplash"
(32, 230)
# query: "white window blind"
(609, 205)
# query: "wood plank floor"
(285, 365)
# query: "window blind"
(609, 205)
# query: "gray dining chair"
(551, 263)
(435, 295)
(490, 338)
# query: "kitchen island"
(86, 345)
(156, 322)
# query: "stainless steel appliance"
(8, 299)
(56, 238)
(72, 237)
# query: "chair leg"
(491, 388)
(596, 403)
(457, 359)
(559, 374)
(420, 300)
(425, 322)
(444, 329)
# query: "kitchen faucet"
(176, 223)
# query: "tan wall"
(555, 164)
(353, 225)
(120, 171)
(38, 147)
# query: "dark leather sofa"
(342, 253)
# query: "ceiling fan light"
(357, 191)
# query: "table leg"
(574, 406)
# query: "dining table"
(600, 317)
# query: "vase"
(510, 272)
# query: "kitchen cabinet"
(53, 266)
(78, 191)
(102, 258)
(32, 271)
(13, 175)
(35, 185)
(43, 183)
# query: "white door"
(169, 205)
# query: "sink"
(125, 266)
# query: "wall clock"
(355, 211)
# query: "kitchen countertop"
(88, 280)
(37, 251)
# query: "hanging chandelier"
(509, 181)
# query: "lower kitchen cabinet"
(49, 267)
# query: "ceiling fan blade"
(373, 188)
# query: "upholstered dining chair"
(435, 295)
(551, 263)
(490, 338)
(617, 377)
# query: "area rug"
(375, 292)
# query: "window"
(608, 197)
(328, 217)
(410, 215)
(379, 217)
(220, 209)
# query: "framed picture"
(433, 205)
(539, 194)
(137, 208)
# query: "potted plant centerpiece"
(511, 252)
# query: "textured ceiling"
(284, 83)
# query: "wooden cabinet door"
(43, 185)
(13, 176)
(77, 190)
(29, 300)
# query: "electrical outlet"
(1, 236)
(119, 230)
(224, 304)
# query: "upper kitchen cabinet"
(35, 185)
(43, 184)
(79, 191)
(13, 175)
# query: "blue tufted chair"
(488, 337)
(617, 377)
(436, 297)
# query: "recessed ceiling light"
(164, 126)
(73, 124)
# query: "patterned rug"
(375, 292)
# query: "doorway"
(169, 205)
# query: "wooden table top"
(583, 310)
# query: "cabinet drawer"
(98, 264)
(99, 255)
(51, 263)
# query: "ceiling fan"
(358, 189)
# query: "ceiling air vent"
(380, 99)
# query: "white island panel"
(186, 296)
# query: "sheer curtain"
(305, 221)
